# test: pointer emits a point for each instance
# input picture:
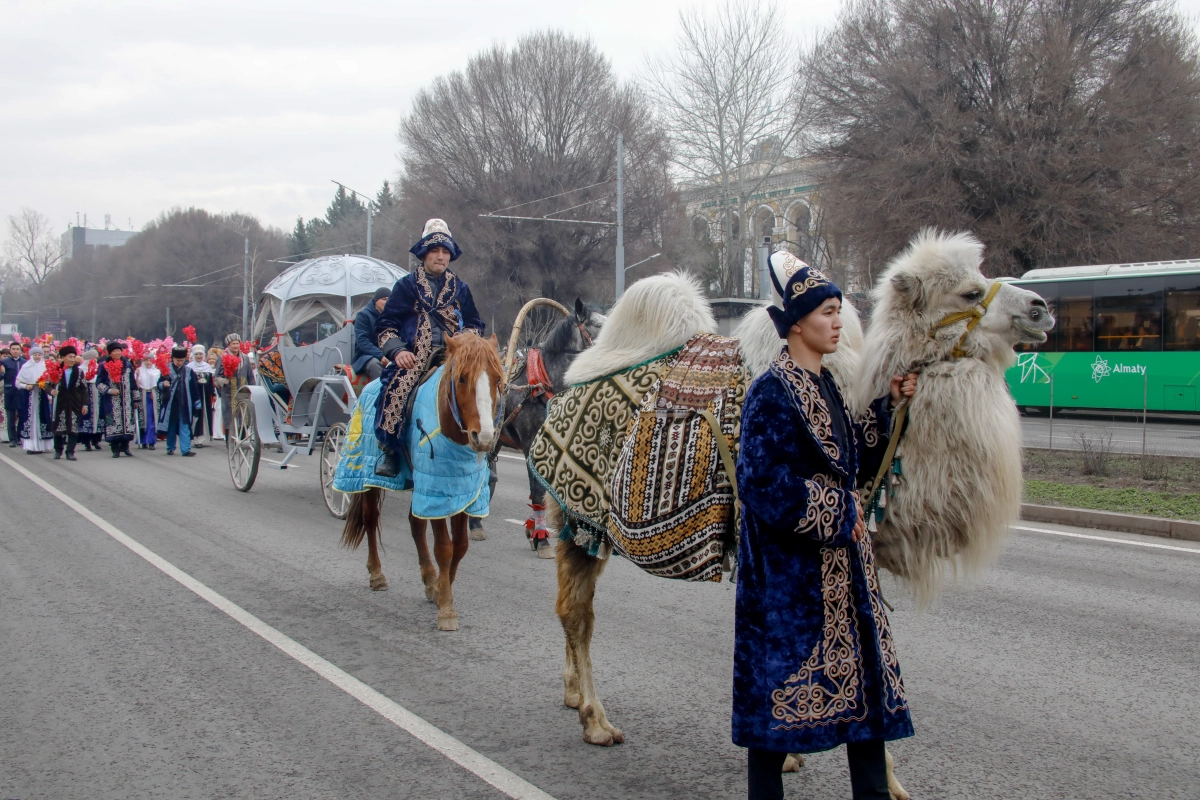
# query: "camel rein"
(973, 315)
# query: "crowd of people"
(58, 395)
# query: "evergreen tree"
(298, 241)
(344, 206)
(385, 199)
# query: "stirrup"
(388, 465)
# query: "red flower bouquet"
(163, 361)
(51, 376)
(229, 365)
(245, 348)
(92, 369)
(190, 333)
(115, 368)
(137, 350)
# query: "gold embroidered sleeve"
(827, 509)
(385, 335)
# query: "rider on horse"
(425, 306)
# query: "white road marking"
(1195, 550)
(515, 458)
(520, 522)
(476, 763)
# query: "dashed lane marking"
(515, 458)
(520, 522)
(474, 762)
(1112, 539)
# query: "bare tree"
(1059, 132)
(531, 132)
(732, 97)
(32, 244)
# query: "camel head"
(933, 303)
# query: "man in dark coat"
(368, 358)
(425, 306)
(120, 399)
(10, 365)
(179, 390)
(71, 398)
(228, 385)
(814, 662)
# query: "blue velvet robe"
(814, 662)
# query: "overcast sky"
(131, 108)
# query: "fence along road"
(1176, 438)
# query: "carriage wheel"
(337, 502)
(533, 323)
(243, 446)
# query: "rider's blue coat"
(453, 480)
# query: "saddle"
(437, 357)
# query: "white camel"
(934, 312)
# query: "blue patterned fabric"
(814, 661)
(446, 478)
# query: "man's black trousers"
(868, 772)
(67, 439)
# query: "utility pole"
(620, 215)
(168, 333)
(764, 265)
(246, 291)
(369, 215)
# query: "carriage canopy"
(340, 286)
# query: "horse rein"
(973, 315)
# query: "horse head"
(588, 320)
(469, 395)
(933, 303)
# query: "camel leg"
(572, 697)
(894, 788)
(374, 565)
(793, 762)
(448, 550)
(577, 576)
(428, 570)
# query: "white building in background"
(77, 239)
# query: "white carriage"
(322, 395)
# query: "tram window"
(1129, 314)
(1182, 314)
(1074, 322)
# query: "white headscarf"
(147, 377)
(201, 366)
(30, 372)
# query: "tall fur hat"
(436, 234)
(802, 288)
(179, 352)
(233, 337)
(67, 350)
(115, 344)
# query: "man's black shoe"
(188, 454)
(57, 456)
(71, 457)
(388, 465)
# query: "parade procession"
(774, 411)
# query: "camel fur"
(960, 458)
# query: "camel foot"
(379, 583)
(895, 790)
(447, 621)
(545, 549)
(598, 732)
(477, 534)
(572, 699)
(793, 762)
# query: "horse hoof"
(379, 583)
(793, 762)
(477, 535)
(447, 623)
(545, 549)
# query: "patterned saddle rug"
(573, 452)
(672, 493)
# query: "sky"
(133, 108)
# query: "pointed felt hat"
(801, 287)
(436, 234)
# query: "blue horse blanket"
(446, 478)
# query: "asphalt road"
(1177, 438)
(1067, 671)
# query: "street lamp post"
(620, 266)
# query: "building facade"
(76, 239)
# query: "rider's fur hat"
(802, 288)
(436, 234)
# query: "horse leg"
(577, 576)
(443, 551)
(428, 570)
(894, 788)
(374, 565)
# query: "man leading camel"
(425, 307)
(814, 662)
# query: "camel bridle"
(973, 315)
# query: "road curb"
(1188, 530)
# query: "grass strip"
(1122, 501)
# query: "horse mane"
(473, 355)
(562, 335)
(654, 316)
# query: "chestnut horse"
(468, 405)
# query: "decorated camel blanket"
(446, 478)
(575, 449)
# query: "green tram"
(1126, 334)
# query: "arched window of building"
(800, 219)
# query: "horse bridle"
(458, 420)
(973, 314)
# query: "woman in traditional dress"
(34, 409)
(120, 399)
(424, 307)
(815, 666)
(205, 375)
(148, 375)
(89, 424)
(218, 426)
